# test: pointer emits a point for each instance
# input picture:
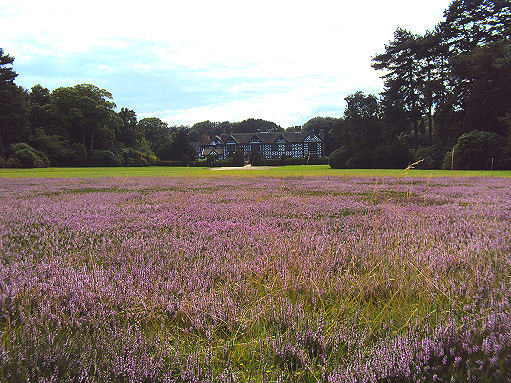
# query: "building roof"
(264, 137)
(213, 151)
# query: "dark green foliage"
(255, 125)
(177, 147)
(13, 104)
(155, 131)
(403, 79)
(469, 24)
(255, 158)
(475, 151)
(29, 159)
(13, 148)
(85, 114)
(361, 126)
(132, 157)
(391, 155)
(239, 158)
(185, 161)
(211, 160)
(13, 162)
(102, 158)
(431, 157)
(325, 126)
(361, 159)
(23, 155)
(295, 161)
(339, 157)
(2, 162)
(482, 79)
(169, 163)
(59, 150)
(128, 131)
(394, 155)
(208, 128)
(78, 155)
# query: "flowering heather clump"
(235, 279)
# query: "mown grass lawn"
(279, 171)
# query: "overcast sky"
(223, 60)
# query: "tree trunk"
(430, 125)
(91, 140)
(416, 134)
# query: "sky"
(225, 60)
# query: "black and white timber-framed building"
(270, 145)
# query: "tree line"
(446, 103)
(446, 100)
(79, 126)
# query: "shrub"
(13, 148)
(319, 161)
(2, 162)
(475, 150)
(44, 158)
(199, 163)
(256, 159)
(28, 158)
(132, 157)
(77, 155)
(391, 156)
(362, 159)
(102, 158)
(168, 163)
(339, 157)
(25, 156)
(432, 157)
(239, 158)
(13, 162)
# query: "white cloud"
(286, 57)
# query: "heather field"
(260, 279)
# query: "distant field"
(279, 171)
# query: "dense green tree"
(42, 114)
(86, 115)
(476, 35)
(13, 105)
(103, 158)
(156, 131)
(255, 125)
(208, 128)
(22, 155)
(339, 157)
(470, 23)
(361, 125)
(328, 126)
(239, 158)
(475, 150)
(403, 81)
(177, 147)
(128, 132)
(432, 63)
(483, 78)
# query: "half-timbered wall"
(309, 146)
